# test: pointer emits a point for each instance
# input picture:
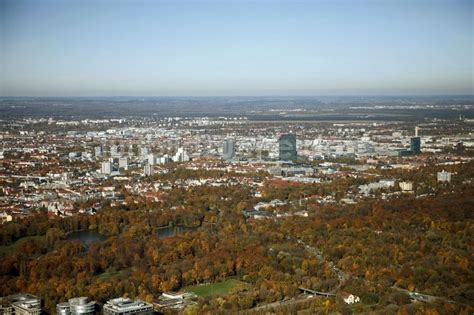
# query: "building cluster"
(56, 165)
(28, 304)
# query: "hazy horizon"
(236, 48)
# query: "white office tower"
(122, 306)
(228, 152)
(76, 306)
(151, 159)
(106, 167)
(123, 163)
(417, 129)
(115, 151)
(181, 156)
(98, 151)
(148, 170)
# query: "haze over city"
(205, 48)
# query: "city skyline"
(214, 48)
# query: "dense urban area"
(240, 205)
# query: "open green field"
(10, 249)
(218, 288)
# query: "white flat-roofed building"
(444, 176)
(25, 304)
(406, 186)
(120, 306)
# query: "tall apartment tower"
(287, 147)
(228, 152)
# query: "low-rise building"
(121, 306)
(444, 176)
(21, 304)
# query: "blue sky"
(153, 48)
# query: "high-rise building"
(287, 146)
(415, 145)
(181, 156)
(148, 170)
(76, 306)
(228, 152)
(106, 167)
(122, 306)
(151, 159)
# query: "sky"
(205, 48)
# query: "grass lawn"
(218, 288)
(10, 249)
(108, 275)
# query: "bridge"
(313, 292)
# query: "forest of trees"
(418, 244)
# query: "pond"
(167, 231)
(91, 236)
(86, 236)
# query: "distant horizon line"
(236, 96)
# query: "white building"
(124, 306)
(76, 306)
(444, 176)
(406, 186)
(148, 170)
(350, 298)
(181, 156)
(151, 159)
(106, 167)
(123, 163)
(98, 151)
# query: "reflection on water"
(90, 236)
(167, 231)
(87, 237)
